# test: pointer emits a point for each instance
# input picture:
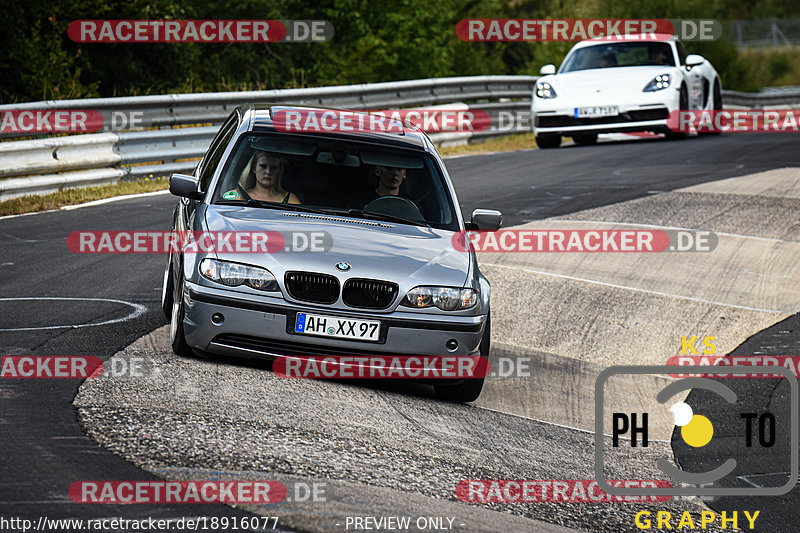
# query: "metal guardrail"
(769, 98)
(49, 164)
(58, 154)
(46, 165)
(182, 109)
(763, 33)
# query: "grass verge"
(510, 143)
(29, 204)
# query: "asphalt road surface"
(769, 464)
(43, 447)
(530, 185)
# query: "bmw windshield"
(336, 177)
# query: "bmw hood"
(405, 254)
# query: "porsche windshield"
(627, 54)
(346, 178)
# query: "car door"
(185, 215)
(698, 82)
(205, 171)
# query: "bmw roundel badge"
(344, 267)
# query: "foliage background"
(378, 40)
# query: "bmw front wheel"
(176, 336)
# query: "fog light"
(452, 345)
(217, 318)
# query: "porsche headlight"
(662, 81)
(444, 298)
(235, 274)
(545, 90)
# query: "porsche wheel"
(716, 105)
(548, 141)
(585, 139)
(684, 104)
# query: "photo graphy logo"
(630, 431)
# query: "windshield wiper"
(351, 212)
(275, 205)
(389, 218)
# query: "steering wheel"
(396, 206)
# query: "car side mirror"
(692, 60)
(547, 70)
(185, 186)
(485, 220)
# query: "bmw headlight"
(444, 298)
(658, 83)
(545, 90)
(235, 274)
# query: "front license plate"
(597, 111)
(334, 326)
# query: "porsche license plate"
(597, 111)
(334, 326)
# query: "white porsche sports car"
(617, 86)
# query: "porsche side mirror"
(547, 70)
(692, 60)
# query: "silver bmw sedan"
(325, 241)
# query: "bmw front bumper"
(263, 327)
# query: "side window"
(682, 53)
(214, 154)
